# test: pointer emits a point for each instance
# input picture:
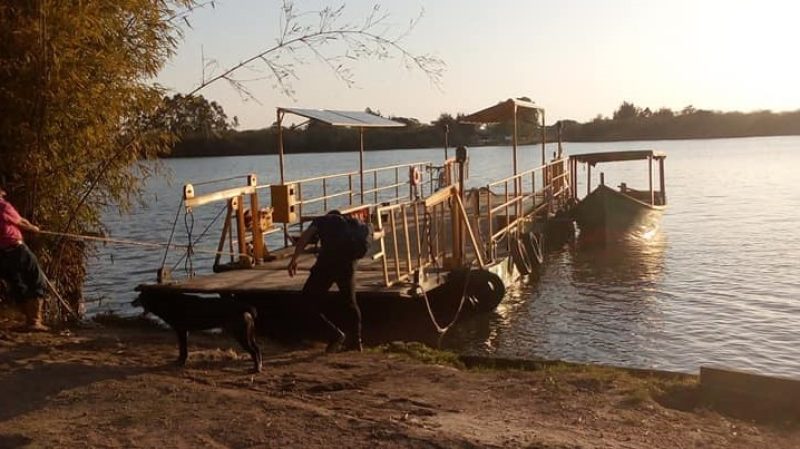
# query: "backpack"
(359, 237)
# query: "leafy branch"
(316, 32)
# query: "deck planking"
(272, 278)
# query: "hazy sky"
(575, 58)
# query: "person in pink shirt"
(19, 266)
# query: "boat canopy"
(614, 156)
(503, 111)
(349, 119)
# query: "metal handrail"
(515, 199)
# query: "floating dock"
(430, 229)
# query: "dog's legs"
(183, 351)
(244, 332)
(251, 339)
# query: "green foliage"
(76, 103)
(422, 353)
(189, 116)
(633, 123)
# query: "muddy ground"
(115, 387)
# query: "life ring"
(415, 176)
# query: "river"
(718, 284)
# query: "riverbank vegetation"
(628, 122)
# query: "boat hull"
(606, 214)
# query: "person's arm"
(10, 215)
(304, 240)
(26, 225)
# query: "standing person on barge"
(336, 263)
(19, 266)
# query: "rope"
(64, 304)
(202, 234)
(188, 266)
(93, 238)
(441, 330)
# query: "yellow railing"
(509, 204)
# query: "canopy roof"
(501, 112)
(613, 156)
(356, 119)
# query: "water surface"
(717, 285)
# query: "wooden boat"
(606, 213)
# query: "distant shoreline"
(453, 145)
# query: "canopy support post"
(663, 183)
(544, 137)
(361, 161)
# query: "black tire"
(487, 289)
(520, 257)
(534, 248)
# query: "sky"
(575, 58)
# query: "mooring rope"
(132, 242)
(441, 330)
(201, 236)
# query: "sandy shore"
(115, 387)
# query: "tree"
(80, 115)
(193, 116)
(627, 111)
(664, 112)
(74, 90)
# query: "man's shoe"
(335, 345)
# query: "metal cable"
(200, 237)
(172, 233)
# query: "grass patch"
(422, 353)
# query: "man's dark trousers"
(323, 275)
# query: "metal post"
(514, 144)
(663, 183)
(559, 125)
(544, 137)
(324, 195)
(279, 123)
(397, 182)
(350, 187)
(280, 144)
(650, 176)
(446, 139)
(361, 162)
(588, 178)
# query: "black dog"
(186, 313)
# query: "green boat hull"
(607, 214)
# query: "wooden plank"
(218, 196)
(439, 197)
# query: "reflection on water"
(587, 296)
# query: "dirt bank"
(113, 387)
